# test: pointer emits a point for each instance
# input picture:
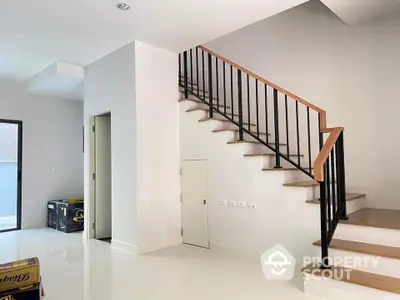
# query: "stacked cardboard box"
(20, 280)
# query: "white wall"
(282, 214)
(159, 207)
(138, 85)
(52, 148)
(351, 72)
(110, 87)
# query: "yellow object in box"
(75, 200)
(19, 273)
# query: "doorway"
(10, 174)
(194, 203)
(102, 178)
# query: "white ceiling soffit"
(61, 79)
(36, 33)
(355, 12)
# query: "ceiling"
(36, 33)
(355, 12)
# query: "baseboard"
(124, 247)
(155, 247)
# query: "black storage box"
(70, 215)
(32, 292)
(52, 214)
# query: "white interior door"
(194, 203)
(102, 178)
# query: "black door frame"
(19, 176)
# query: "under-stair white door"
(102, 154)
(194, 203)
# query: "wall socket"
(232, 203)
(242, 204)
(223, 203)
(252, 205)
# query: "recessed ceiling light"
(123, 6)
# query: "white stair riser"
(372, 235)
(364, 262)
(356, 204)
(294, 175)
(330, 289)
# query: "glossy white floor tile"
(73, 269)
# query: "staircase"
(290, 136)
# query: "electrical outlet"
(242, 204)
(252, 205)
(223, 203)
(232, 203)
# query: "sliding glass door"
(10, 174)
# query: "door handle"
(204, 201)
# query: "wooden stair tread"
(366, 279)
(370, 217)
(309, 183)
(364, 248)
(266, 154)
(201, 102)
(222, 119)
(207, 109)
(243, 142)
(236, 130)
(250, 142)
(283, 169)
(349, 197)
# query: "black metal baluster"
(337, 166)
(298, 132)
(180, 68)
(233, 116)
(276, 122)
(321, 137)
(309, 140)
(266, 111)
(217, 79)
(223, 64)
(240, 105)
(210, 85)
(334, 182)
(185, 74)
(258, 123)
(191, 69)
(328, 193)
(341, 176)
(324, 231)
(248, 102)
(287, 127)
(197, 71)
(204, 76)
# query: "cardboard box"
(19, 274)
(30, 292)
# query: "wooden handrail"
(325, 151)
(334, 132)
(289, 94)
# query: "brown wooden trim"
(325, 151)
(363, 248)
(371, 280)
(259, 78)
